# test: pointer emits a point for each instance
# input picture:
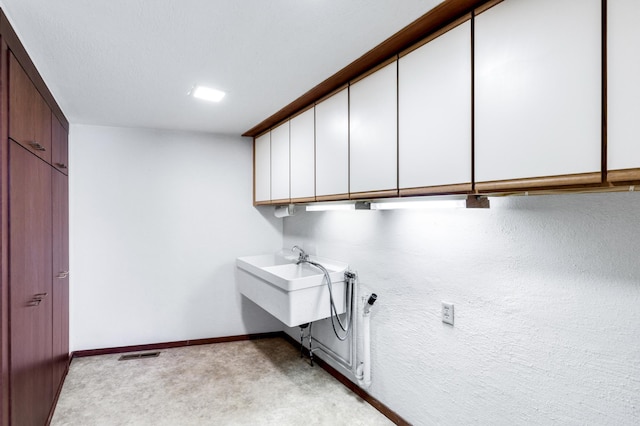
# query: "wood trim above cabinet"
(461, 188)
(581, 179)
(626, 175)
(437, 18)
(390, 193)
(378, 67)
(436, 34)
(328, 95)
(488, 5)
(15, 45)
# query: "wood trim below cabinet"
(281, 201)
(625, 175)
(461, 188)
(335, 197)
(303, 200)
(581, 179)
(374, 194)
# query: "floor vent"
(139, 356)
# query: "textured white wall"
(547, 307)
(157, 220)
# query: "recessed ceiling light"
(207, 93)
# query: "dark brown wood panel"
(4, 233)
(30, 287)
(59, 145)
(20, 88)
(60, 273)
(29, 115)
(41, 125)
(443, 14)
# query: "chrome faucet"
(302, 257)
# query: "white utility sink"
(294, 293)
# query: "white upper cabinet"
(538, 89)
(332, 145)
(280, 162)
(302, 128)
(262, 168)
(434, 112)
(373, 131)
(623, 97)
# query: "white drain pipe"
(363, 373)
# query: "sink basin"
(295, 294)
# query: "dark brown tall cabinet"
(34, 212)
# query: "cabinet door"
(262, 169)
(280, 163)
(59, 146)
(623, 97)
(60, 272)
(29, 114)
(303, 156)
(434, 113)
(30, 277)
(332, 146)
(537, 91)
(373, 131)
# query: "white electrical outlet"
(447, 313)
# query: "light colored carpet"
(260, 382)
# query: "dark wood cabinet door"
(59, 145)
(30, 293)
(29, 114)
(60, 285)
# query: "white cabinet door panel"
(262, 171)
(332, 145)
(623, 76)
(280, 162)
(373, 127)
(537, 89)
(303, 155)
(434, 83)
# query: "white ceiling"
(131, 62)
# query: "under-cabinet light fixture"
(353, 205)
(446, 202)
(207, 93)
(437, 202)
(323, 207)
(418, 204)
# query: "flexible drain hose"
(346, 327)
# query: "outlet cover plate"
(447, 313)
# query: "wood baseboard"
(58, 392)
(177, 344)
(375, 403)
